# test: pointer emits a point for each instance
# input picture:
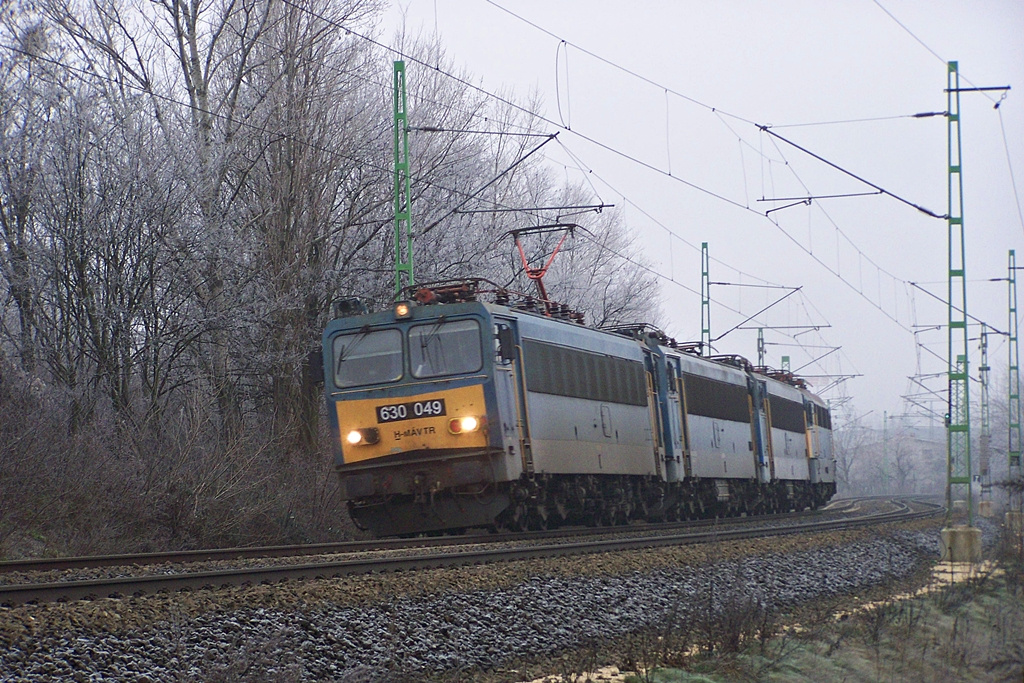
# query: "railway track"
(242, 553)
(437, 552)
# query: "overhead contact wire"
(1009, 165)
(618, 66)
(587, 138)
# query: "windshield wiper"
(425, 341)
(347, 350)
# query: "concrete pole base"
(960, 544)
(985, 508)
(1015, 522)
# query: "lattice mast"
(403, 196)
(705, 301)
(985, 438)
(885, 452)
(1013, 380)
(958, 420)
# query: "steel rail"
(214, 554)
(12, 595)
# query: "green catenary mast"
(985, 438)
(403, 196)
(1014, 444)
(958, 421)
(705, 302)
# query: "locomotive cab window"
(445, 348)
(372, 357)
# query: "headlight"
(363, 437)
(403, 309)
(459, 425)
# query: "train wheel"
(538, 518)
(514, 518)
(561, 509)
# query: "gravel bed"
(422, 624)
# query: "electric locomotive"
(450, 412)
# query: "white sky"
(781, 63)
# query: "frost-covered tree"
(187, 187)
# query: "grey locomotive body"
(494, 416)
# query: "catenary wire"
(257, 128)
(590, 172)
(605, 146)
(1009, 165)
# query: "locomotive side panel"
(827, 454)
(720, 448)
(822, 460)
(718, 407)
(505, 424)
(789, 432)
(587, 402)
(578, 436)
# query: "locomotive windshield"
(445, 348)
(367, 358)
(437, 349)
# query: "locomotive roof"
(568, 331)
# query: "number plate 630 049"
(410, 411)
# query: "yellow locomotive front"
(419, 444)
(374, 428)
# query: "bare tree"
(315, 135)
(28, 96)
(850, 443)
(903, 456)
(184, 189)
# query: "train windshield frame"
(368, 357)
(443, 348)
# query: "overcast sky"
(657, 104)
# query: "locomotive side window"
(367, 358)
(712, 398)
(824, 417)
(445, 348)
(561, 371)
(787, 415)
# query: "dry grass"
(971, 630)
(172, 483)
